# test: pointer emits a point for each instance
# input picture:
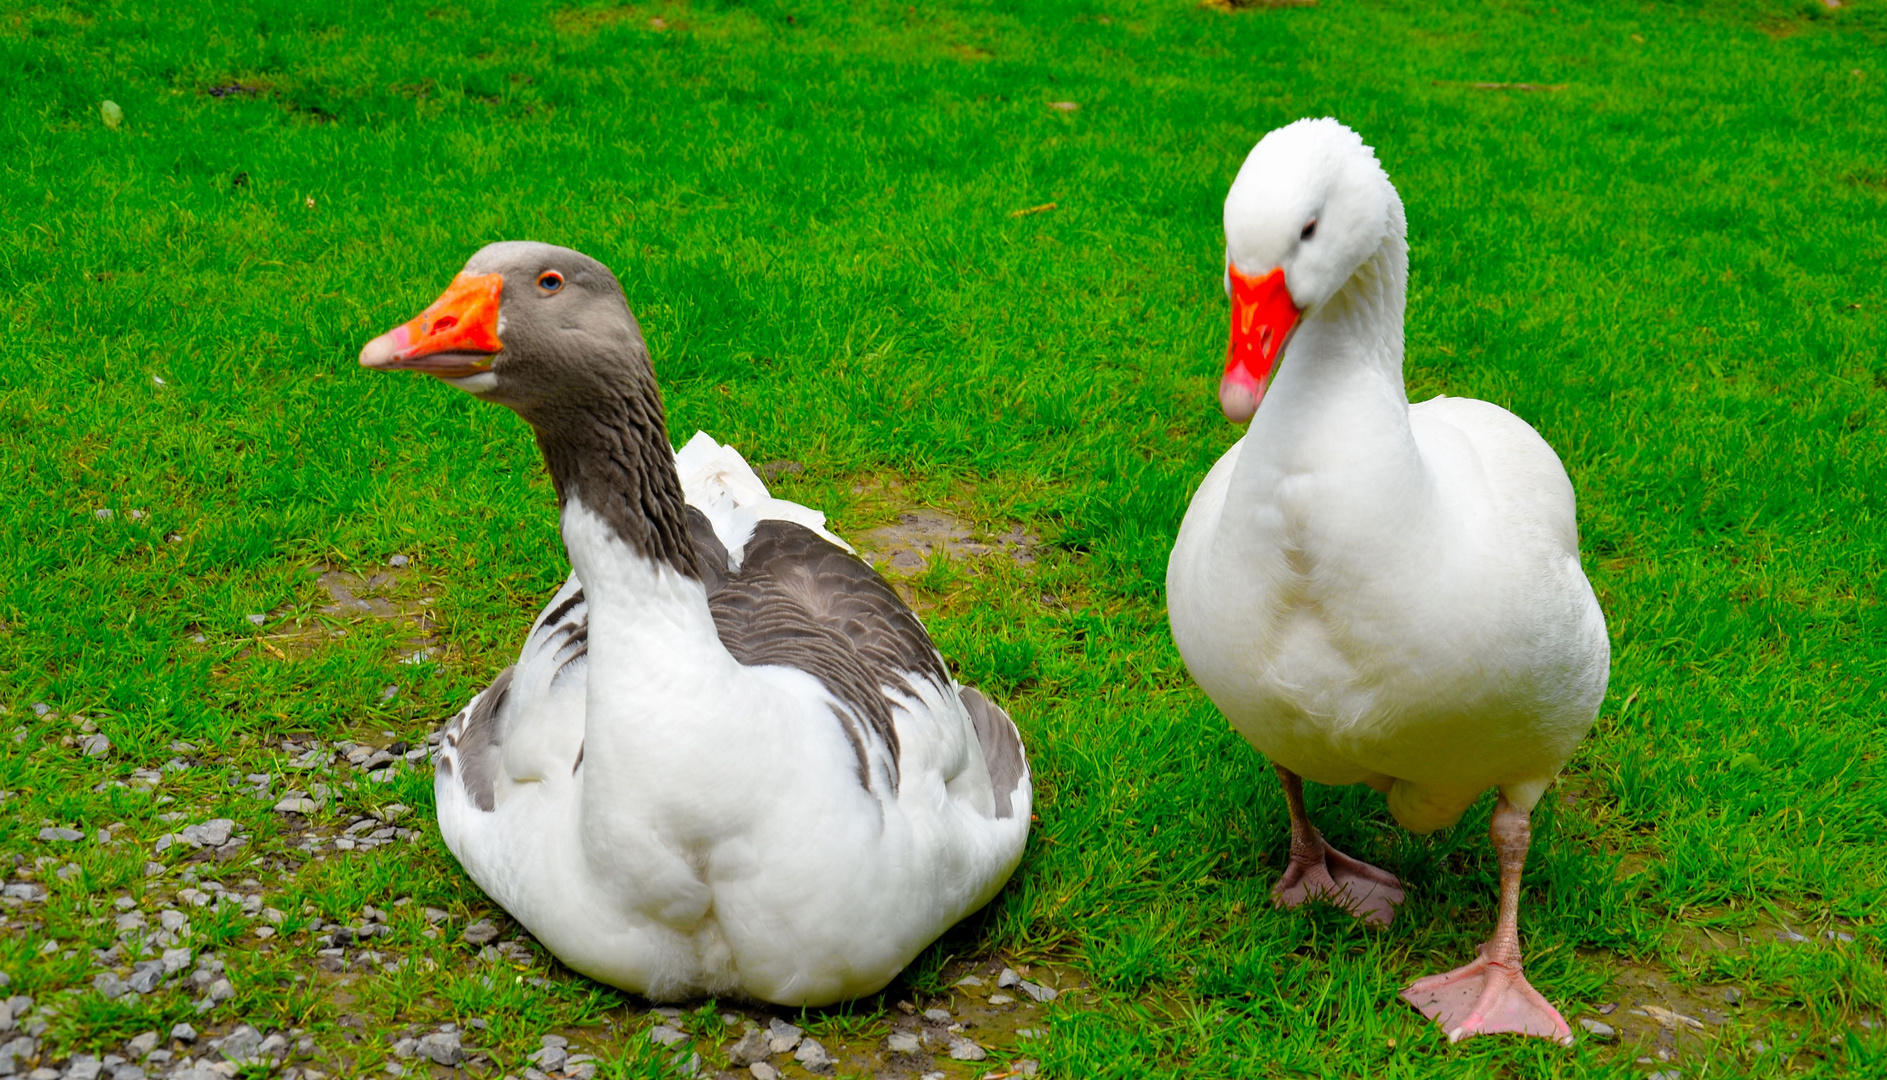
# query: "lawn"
(1655, 232)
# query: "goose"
(728, 760)
(1376, 592)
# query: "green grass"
(1671, 266)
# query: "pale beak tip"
(383, 352)
(1237, 400)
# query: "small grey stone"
(1599, 1029)
(43, 1073)
(51, 833)
(442, 1048)
(297, 805)
(405, 1048)
(481, 932)
(108, 985)
(1008, 978)
(176, 960)
(664, 1035)
(1786, 934)
(753, 1046)
(40, 708)
(962, 1049)
(96, 745)
(553, 1040)
(969, 980)
(141, 1045)
(130, 920)
(241, 1045)
(901, 1042)
(688, 1066)
(782, 1036)
(763, 1071)
(258, 618)
(1001, 999)
(1036, 991)
(220, 991)
(1732, 995)
(275, 1047)
(82, 1067)
(127, 1071)
(212, 833)
(184, 1033)
(398, 560)
(104, 515)
(548, 1058)
(173, 920)
(813, 1056)
(941, 1016)
(147, 976)
(23, 890)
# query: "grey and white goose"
(729, 760)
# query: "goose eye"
(1310, 230)
(550, 281)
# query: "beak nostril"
(444, 322)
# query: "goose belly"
(528, 854)
(1371, 688)
(824, 892)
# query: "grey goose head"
(545, 332)
(537, 328)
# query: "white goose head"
(1309, 207)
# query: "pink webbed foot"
(1367, 892)
(1487, 997)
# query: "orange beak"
(455, 337)
(1263, 316)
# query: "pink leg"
(1490, 994)
(1317, 869)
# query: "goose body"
(1372, 591)
(729, 760)
(1424, 628)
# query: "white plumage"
(1371, 591)
(716, 839)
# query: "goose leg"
(1317, 869)
(1490, 994)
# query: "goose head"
(540, 329)
(1308, 208)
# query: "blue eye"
(550, 281)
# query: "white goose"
(1376, 592)
(729, 760)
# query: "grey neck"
(612, 451)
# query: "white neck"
(660, 683)
(1331, 439)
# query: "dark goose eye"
(550, 281)
(1310, 230)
